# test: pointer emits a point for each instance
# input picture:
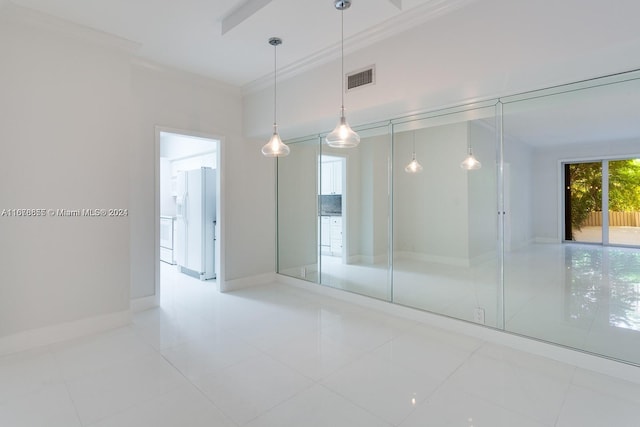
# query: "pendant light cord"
(275, 81)
(414, 144)
(342, 56)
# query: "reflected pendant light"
(275, 147)
(414, 166)
(342, 136)
(470, 162)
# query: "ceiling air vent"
(361, 78)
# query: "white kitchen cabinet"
(325, 235)
(167, 234)
(331, 235)
(331, 177)
(336, 235)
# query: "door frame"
(220, 194)
(342, 158)
(565, 192)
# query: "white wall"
(519, 192)
(66, 125)
(78, 124)
(297, 208)
(489, 48)
(370, 230)
(178, 101)
(431, 211)
(167, 200)
(352, 201)
(380, 205)
(482, 198)
(181, 101)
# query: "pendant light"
(414, 166)
(342, 136)
(275, 147)
(470, 162)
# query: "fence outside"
(616, 219)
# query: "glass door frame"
(604, 161)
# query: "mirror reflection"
(521, 213)
(354, 215)
(572, 260)
(444, 217)
(297, 211)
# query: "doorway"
(602, 202)
(332, 218)
(188, 209)
(332, 206)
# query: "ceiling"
(227, 39)
(176, 146)
(601, 114)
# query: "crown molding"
(400, 23)
(181, 74)
(29, 17)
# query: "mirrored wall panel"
(572, 254)
(520, 213)
(445, 219)
(298, 210)
(354, 215)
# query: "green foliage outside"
(586, 188)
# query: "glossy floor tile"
(276, 355)
(578, 295)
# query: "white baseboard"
(247, 282)
(62, 332)
(562, 354)
(144, 303)
(436, 259)
(368, 259)
(546, 240)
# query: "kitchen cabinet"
(331, 177)
(331, 235)
(325, 233)
(167, 238)
(336, 235)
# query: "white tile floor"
(279, 356)
(577, 295)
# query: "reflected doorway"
(602, 202)
(332, 221)
(332, 207)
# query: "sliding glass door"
(624, 202)
(583, 202)
(602, 202)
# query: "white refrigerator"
(195, 222)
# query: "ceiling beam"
(242, 13)
(396, 3)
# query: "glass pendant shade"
(343, 136)
(470, 162)
(413, 166)
(275, 147)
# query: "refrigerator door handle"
(185, 208)
(179, 202)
